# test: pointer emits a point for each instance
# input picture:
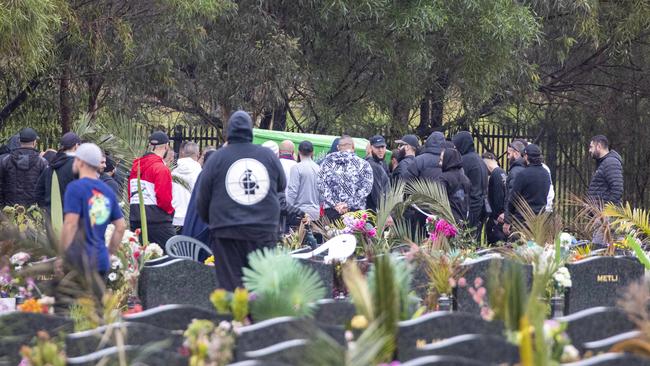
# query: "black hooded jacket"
(456, 183)
(62, 164)
(607, 182)
(516, 167)
(475, 170)
(19, 172)
(532, 185)
(497, 192)
(238, 191)
(380, 183)
(427, 164)
(401, 171)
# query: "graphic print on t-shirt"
(99, 208)
(247, 181)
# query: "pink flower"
(372, 232)
(364, 216)
(472, 291)
(478, 282)
(445, 228)
(477, 299)
(136, 254)
(486, 313)
(452, 282)
(359, 225)
(481, 292)
(433, 236)
(462, 282)
(429, 219)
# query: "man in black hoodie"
(456, 183)
(532, 186)
(19, 172)
(408, 147)
(496, 197)
(380, 183)
(427, 164)
(476, 171)
(62, 165)
(238, 198)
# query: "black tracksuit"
(62, 165)
(456, 183)
(401, 171)
(427, 164)
(19, 173)
(532, 185)
(380, 183)
(497, 198)
(238, 198)
(476, 171)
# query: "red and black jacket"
(156, 183)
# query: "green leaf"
(143, 213)
(56, 208)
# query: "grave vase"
(557, 305)
(445, 303)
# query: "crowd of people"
(241, 196)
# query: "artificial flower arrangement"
(207, 344)
(440, 232)
(20, 291)
(126, 264)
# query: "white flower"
(153, 251)
(562, 277)
(20, 258)
(112, 277)
(566, 239)
(115, 262)
(46, 300)
(569, 354)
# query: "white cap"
(273, 146)
(90, 154)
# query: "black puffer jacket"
(516, 167)
(476, 171)
(456, 183)
(497, 192)
(532, 185)
(62, 164)
(19, 172)
(427, 164)
(401, 171)
(607, 182)
(380, 183)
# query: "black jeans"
(157, 232)
(231, 256)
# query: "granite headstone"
(270, 332)
(445, 361)
(612, 359)
(135, 355)
(334, 312)
(604, 345)
(325, 271)
(290, 352)
(179, 281)
(595, 324)
(134, 334)
(175, 317)
(599, 281)
(484, 348)
(440, 325)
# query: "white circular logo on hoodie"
(247, 181)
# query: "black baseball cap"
(69, 140)
(533, 150)
(411, 140)
(27, 135)
(158, 138)
(378, 141)
(306, 147)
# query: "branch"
(18, 100)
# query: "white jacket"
(187, 169)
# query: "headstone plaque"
(595, 324)
(175, 317)
(179, 281)
(599, 281)
(440, 325)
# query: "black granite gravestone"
(612, 359)
(595, 324)
(175, 317)
(179, 281)
(134, 334)
(440, 325)
(135, 356)
(484, 348)
(599, 281)
(445, 361)
(604, 345)
(325, 271)
(270, 332)
(18, 328)
(334, 312)
(289, 352)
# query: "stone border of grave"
(277, 350)
(444, 360)
(606, 344)
(611, 359)
(163, 310)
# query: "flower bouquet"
(359, 224)
(440, 232)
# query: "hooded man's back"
(456, 184)
(476, 171)
(427, 164)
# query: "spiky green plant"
(542, 228)
(431, 196)
(283, 285)
(56, 207)
(507, 294)
(391, 202)
(143, 212)
(628, 219)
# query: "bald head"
(287, 148)
(346, 143)
(190, 150)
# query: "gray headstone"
(134, 334)
(612, 359)
(325, 271)
(180, 281)
(481, 268)
(258, 363)
(420, 282)
(18, 328)
(175, 317)
(154, 262)
(440, 325)
(445, 361)
(270, 332)
(606, 344)
(599, 281)
(289, 352)
(595, 324)
(135, 355)
(484, 348)
(334, 312)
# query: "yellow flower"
(359, 322)
(209, 261)
(31, 306)
(420, 343)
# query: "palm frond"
(403, 232)
(629, 219)
(390, 203)
(590, 217)
(359, 291)
(284, 286)
(383, 280)
(542, 227)
(369, 346)
(431, 196)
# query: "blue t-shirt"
(97, 206)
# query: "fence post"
(178, 139)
